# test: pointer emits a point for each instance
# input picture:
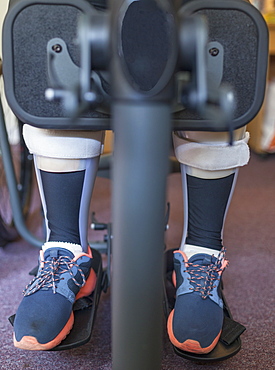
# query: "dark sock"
(62, 192)
(207, 203)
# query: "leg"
(209, 170)
(66, 166)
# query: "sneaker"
(45, 315)
(195, 323)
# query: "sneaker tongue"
(202, 259)
(56, 253)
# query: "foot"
(195, 323)
(45, 315)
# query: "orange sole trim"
(189, 345)
(31, 343)
(89, 286)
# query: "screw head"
(57, 48)
(214, 52)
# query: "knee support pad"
(210, 151)
(63, 144)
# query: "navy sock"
(207, 204)
(62, 192)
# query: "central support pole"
(141, 151)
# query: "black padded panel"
(145, 43)
(30, 69)
(240, 29)
(26, 34)
(235, 24)
(100, 4)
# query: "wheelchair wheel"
(23, 167)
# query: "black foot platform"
(229, 343)
(84, 312)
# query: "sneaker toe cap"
(42, 316)
(196, 319)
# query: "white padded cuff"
(212, 156)
(62, 143)
(74, 248)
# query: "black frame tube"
(141, 157)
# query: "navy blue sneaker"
(195, 323)
(45, 315)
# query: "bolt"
(214, 52)
(57, 48)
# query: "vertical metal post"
(141, 150)
(12, 185)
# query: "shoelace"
(202, 277)
(51, 274)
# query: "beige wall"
(3, 10)
(10, 119)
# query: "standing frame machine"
(141, 68)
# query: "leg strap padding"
(62, 143)
(211, 156)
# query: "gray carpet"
(250, 240)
